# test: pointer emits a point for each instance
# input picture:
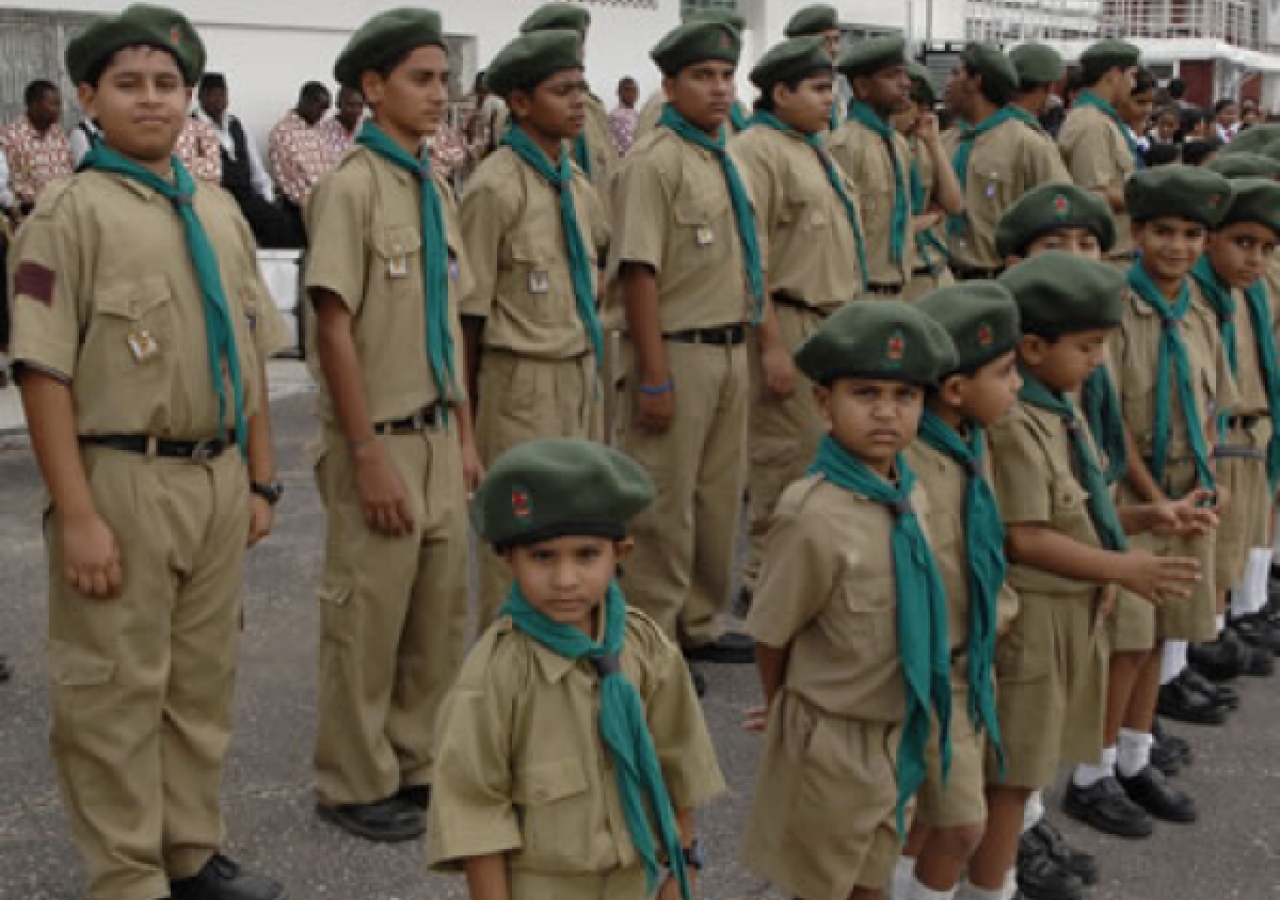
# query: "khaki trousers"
(682, 567)
(141, 686)
(525, 399)
(784, 434)
(393, 620)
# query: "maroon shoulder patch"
(34, 281)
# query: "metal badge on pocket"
(539, 281)
(142, 344)
(398, 266)
(705, 236)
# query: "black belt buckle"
(206, 450)
(423, 419)
(884, 290)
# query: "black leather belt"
(724, 336)
(925, 272)
(884, 290)
(796, 303)
(968, 273)
(426, 419)
(145, 445)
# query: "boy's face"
(1240, 252)
(140, 103)
(566, 578)
(1167, 127)
(807, 108)
(1170, 246)
(1135, 110)
(874, 420)
(986, 394)
(556, 108)
(703, 93)
(887, 91)
(1064, 364)
(1073, 239)
(628, 93)
(410, 101)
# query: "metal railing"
(1241, 23)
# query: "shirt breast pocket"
(397, 266)
(554, 807)
(1071, 506)
(869, 607)
(132, 332)
(530, 277)
(699, 213)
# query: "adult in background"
(296, 150)
(339, 130)
(37, 149)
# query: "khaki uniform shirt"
(931, 257)
(364, 221)
(1098, 158)
(106, 298)
(866, 161)
(946, 484)
(522, 770)
(673, 211)
(1036, 484)
(604, 156)
(827, 591)
(516, 247)
(1251, 385)
(806, 238)
(1004, 164)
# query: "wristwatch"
(271, 492)
(694, 858)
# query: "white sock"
(973, 892)
(1222, 621)
(1173, 661)
(1135, 752)
(904, 875)
(1257, 577)
(1033, 812)
(919, 892)
(1086, 776)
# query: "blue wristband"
(657, 390)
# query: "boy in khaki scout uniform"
(1055, 217)
(141, 330)
(850, 619)
(1168, 335)
(687, 269)
(935, 193)
(534, 231)
(1066, 543)
(953, 464)
(822, 21)
(814, 258)
(396, 456)
(998, 158)
(574, 716)
(1097, 147)
(1039, 68)
(878, 160)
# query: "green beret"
(1047, 208)
(385, 37)
(1060, 293)
(541, 490)
(994, 67)
(696, 42)
(1256, 200)
(1244, 165)
(880, 340)
(1109, 54)
(532, 58)
(922, 91)
(717, 17)
(1185, 192)
(556, 17)
(1270, 151)
(869, 57)
(813, 20)
(980, 317)
(1036, 64)
(140, 25)
(796, 58)
(1253, 139)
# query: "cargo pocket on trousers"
(552, 798)
(338, 622)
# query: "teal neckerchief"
(984, 547)
(814, 142)
(582, 153)
(219, 329)
(1172, 365)
(900, 224)
(737, 118)
(969, 135)
(923, 639)
(580, 265)
(1089, 98)
(1100, 404)
(623, 727)
(1102, 508)
(435, 255)
(926, 240)
(743, 214)
(1224, 308)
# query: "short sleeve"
(797, 575)
(336, 256)
(486, 216)
(1020, 467)
(641, 207)
(44, 288)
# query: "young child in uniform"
(574, 726)
(850, 619)
(534, 231)
(1066, 544)
(952, 462)
(141, 327)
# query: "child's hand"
(1158, 578)
(756, 718)
(1193, 515)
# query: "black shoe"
(1080, 864)
(1152, 792)
(223, 879)
(1220, 660)
(1041, 877)
(1106, 807)
(730, 648)
(1258, 663)
(5, 672)
(1166, 758)
(387, 821)
(1256, 631)
(1179, 702)
(699, 682)
(416, 795)
(1223, 695)
(1168, 738)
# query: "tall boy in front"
(141, 326)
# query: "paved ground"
(1233, 855)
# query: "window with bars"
(693, 6)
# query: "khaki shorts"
(962, 799)
(1051, 672)
(822, 822)
(1247, 521)
(624, 884)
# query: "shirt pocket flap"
(1068, 496)
(538, 784)
(396, 241)
(700, 204)
(72, 666)
(134, 299)
(526, 251)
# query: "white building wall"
(768, 18)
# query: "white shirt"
(257, 171)
(80, 141)
(7, 199)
